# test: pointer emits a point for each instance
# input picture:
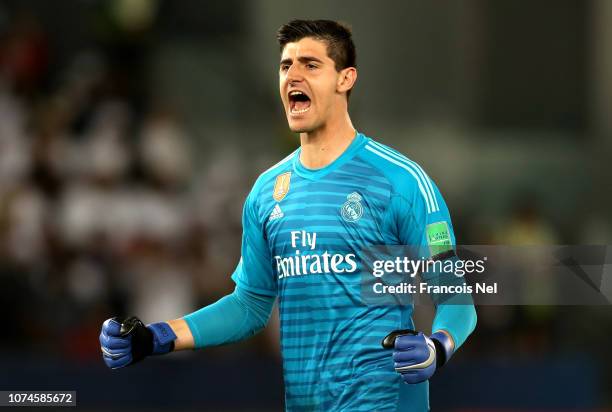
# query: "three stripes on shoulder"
(423, 181)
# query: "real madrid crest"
(281, 187)
(352, 209)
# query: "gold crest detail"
(281, 187)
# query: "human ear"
(346, 79)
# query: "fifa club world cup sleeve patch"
(281, 186)
(438, 238)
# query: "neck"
(324, 145)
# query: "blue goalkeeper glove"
(127, 341)
(416, 355)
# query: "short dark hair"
(338, 36)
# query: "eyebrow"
(302, 59)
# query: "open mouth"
(299, 102)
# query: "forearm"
(184, 337)
(456, 320)
(230, 319)
(455, 313)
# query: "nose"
(294, 74)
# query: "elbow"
(472, 319)
(258, 309)
(261, 321)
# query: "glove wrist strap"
(444, 348)
(163, 338)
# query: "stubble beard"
(305, 128)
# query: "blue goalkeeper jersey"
(304, 230)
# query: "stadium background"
(131, 131)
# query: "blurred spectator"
(164, 149)
(15, 145)
(24, 53)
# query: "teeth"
(293, 111)
(295, 93)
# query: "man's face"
(308, 83)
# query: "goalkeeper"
(305, 222)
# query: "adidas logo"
(277, 213)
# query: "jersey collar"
(314, 174)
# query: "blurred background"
(132, 130)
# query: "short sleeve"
(254, 271)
